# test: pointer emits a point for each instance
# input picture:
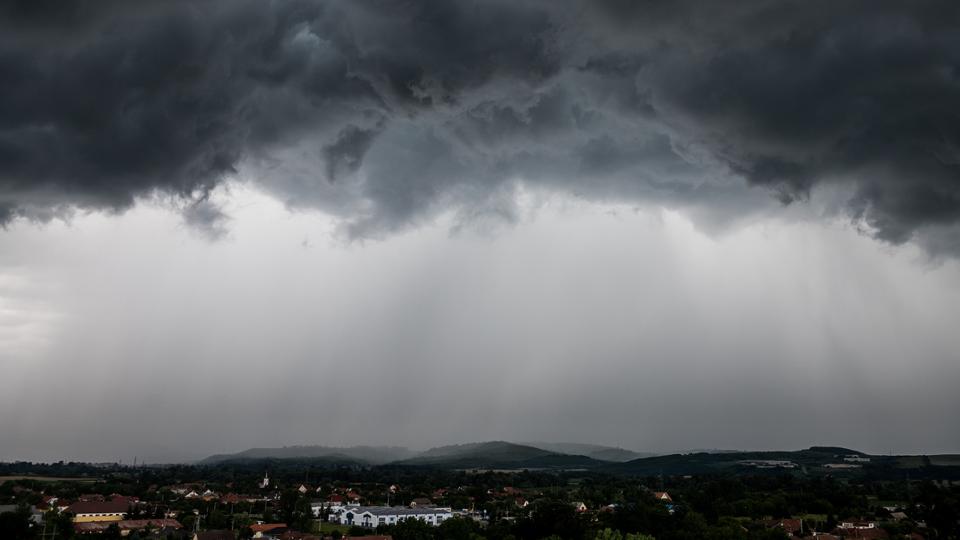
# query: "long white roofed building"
(374, 516)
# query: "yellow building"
(88, 511)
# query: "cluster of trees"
(557, 520)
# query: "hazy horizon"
(658, 225)
(188, 458)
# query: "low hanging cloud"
(388, 112)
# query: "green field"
(47, 479)
(327, 528)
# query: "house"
(112, 510)
(768, 464)
(662, 496)
(260, 530)
(231, 498)
(864, 534)
(579, 506)
(860, 529)
(420, 501)
(335, 503)
(857, 525)
(374, 516)
(793, 527)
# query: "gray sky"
(660, 225)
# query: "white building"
(768, 464)
(333, 508)
(858, 525)
(374, 516)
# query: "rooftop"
(398, 510)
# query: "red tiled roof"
(789, 525)
(230, 498)
(866, 534)
(267, 527)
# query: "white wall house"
(374, 516)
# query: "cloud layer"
(388, 112)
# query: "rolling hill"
(371, 455)
(823, 460)
(594, 451)
(496, 455)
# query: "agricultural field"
(85, 480)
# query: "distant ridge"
(534, 455)
(824, 460)
(496, 455)
(372, 455)
(489, 454)
(494, 451)
(595, 451)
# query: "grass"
(327, 528)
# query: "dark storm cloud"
(386, 112)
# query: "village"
(221, 504)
